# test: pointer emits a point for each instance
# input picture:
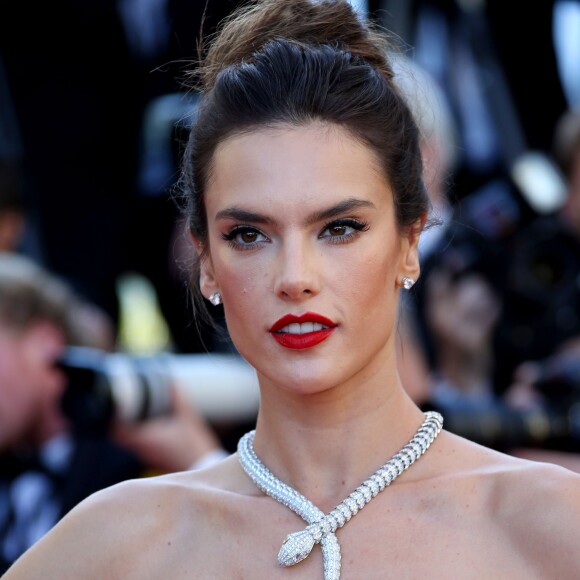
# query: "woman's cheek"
(242, 284)
(373, 275)
(241, 278)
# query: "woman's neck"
(324, 445)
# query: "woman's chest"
(377, 544)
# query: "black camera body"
(555, 424)
(105, 387)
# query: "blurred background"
(93, 117)
(94, 113)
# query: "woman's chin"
(305, 378)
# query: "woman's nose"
(297, 271)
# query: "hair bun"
(251, 26)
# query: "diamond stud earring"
(215, 298)
(408, 282)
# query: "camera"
(544, 268)
(541, 296)
(504, 428)
(553, 425)
(104, 387)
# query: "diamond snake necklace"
(321, 528)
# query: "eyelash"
(231, 236)
(356, 225)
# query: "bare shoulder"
(533, 505)
(140, 528)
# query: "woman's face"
(306, 253)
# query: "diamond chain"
(322, 528)
(267, 482)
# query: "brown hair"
(29, 294)
(293, 62)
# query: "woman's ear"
(409, 266)
(207, 282)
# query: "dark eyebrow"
(338, 209)
(239, 214)
(242, 215)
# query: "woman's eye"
(338, 230)
(248, 237)
(244, 237)
(343, 230)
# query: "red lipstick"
(301, 341)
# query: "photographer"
(498, 288)
(519, 273)
(48, 462)
(549, 377)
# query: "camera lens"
(139, 387)
(104, 387)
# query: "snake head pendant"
(296, 547)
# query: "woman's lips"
(304, 331)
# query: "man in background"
(50, 461)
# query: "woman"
(306, 204)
